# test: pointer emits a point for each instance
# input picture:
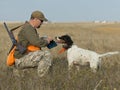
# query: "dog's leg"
(94, 66)
(70, 66)
(78, 68)
(94, 70)
(77, 65)
(99, 63)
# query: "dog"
(79, 56)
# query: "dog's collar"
(62, 50)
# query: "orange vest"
(11, 58)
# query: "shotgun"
(14, 41)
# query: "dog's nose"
(56, 38)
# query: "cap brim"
(45, 19)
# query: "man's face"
(38, 23)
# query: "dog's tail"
(109, 54)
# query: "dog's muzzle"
(58, 40)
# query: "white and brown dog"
(78, 56)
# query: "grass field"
(98, 37)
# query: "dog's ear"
(69, 40)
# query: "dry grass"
(97, 37)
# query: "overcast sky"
(61, 10)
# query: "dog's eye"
(60, 37)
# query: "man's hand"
(49, 39)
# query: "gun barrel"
(10, 34)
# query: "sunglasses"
(41, 20)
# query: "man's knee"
(48, 56)
(47, 53)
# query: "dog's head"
(65, 40)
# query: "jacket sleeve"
(33, 38)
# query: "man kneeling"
(29, 38)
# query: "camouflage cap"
(38, 15)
